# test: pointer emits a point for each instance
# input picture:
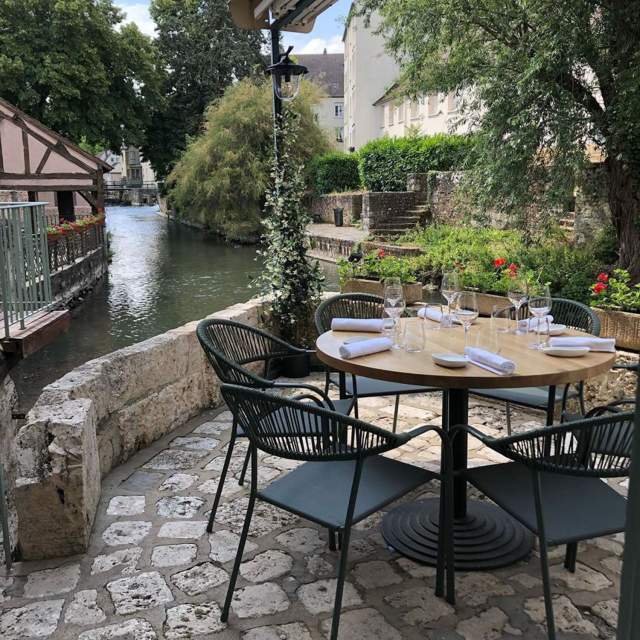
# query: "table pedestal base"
(486, 538)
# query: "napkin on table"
(490, 361)
(594, 343)
(372, 325)
(532, 323)
(431, 313)
(364, 347)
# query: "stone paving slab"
(153, 573)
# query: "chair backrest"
(599, 446)
(232, 346)
(575, 315)
(348, 305)
(304, 431)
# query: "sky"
(326, 34)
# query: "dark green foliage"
(335, 172)
(385, 163)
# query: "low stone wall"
(380, 209)
(322, 207)
(7, 453)
(75, 279)
(330, 248)
(96, 417)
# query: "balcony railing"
(68, 245)
(25, 283)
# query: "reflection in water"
(161, 276)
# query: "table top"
(533, 368)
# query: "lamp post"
(286, 77)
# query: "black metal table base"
(486, 538)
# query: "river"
(161, 276)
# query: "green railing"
(25, 283)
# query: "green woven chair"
(360, 305)
(244, 355)
(343, 479)
(576, 316)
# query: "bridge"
(136, 193)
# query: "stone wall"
(76, 279)
(7, 452)
(592, 209)
(96, 417)
(381, 209)
(322, 207)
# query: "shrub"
(335, 172)
(615, 292)
(385, 163)
(377, 265)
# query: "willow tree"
(545, 82)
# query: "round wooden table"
(485, 537)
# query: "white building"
(129, 168)
(327, 71)
(374, 104)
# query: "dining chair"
(343, 477)
(553, 484)
(244, 355)
(574, 315)
(360, 305)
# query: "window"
(339, 134)
(414, 109)
(453, 101)
(390, 110)
(400, 111)
(433, 104)
(338, 109)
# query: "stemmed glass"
(540, 306)
(517, 295)
(466, 311)
(394, 305)
(450, 289)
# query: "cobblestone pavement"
(152, 572)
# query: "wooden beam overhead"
(42, 162)
(25, 151)
(50, 176)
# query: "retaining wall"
(96, 417)
(7, 452)
(379, 209)
(322, 207)
(74, 279)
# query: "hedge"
(386, 162)
(335, 172)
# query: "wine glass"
(539, 306)
(517, 295)
(450, 289)
(394, 305)
(466, 312)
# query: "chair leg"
(327, 381)
(223, 477)
(355, 397)
(571, 556)
(581, 398)
(4, 518)
(245, 466)
(508, 408)
(243, 538)
(544, 559)
(332, 539)
(395, 413)
(551, 405)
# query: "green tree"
(71, 65)
(222, 177)
(203, 52)
(545, 82)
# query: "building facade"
(129, 168)
(327, 71)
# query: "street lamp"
(286, 75)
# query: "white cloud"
(318, 45)
(139, 14)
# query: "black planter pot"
(338, 216)
(296, 366)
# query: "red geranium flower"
(603, 277)
(599, 287)
(381, 253)
(499, 262)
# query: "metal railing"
(25, 283)
(65, 250)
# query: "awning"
(285, 15)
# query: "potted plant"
(617, 303)
(368, 273)
(291, 281)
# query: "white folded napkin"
(532, 323)
(364, 347)
(490, 361)
(372, 325)
(594, 343)
(431, 313)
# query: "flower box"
(412, 290)
(486, 302)
(621, 325)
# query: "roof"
(394, 92)
(325, 69)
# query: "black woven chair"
(576, 316)
(360, 305)
(344, 477)
(237, 352)
(553, 485)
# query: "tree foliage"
(221, 179)
(73, 66)
(203, 52)
(545, 83)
